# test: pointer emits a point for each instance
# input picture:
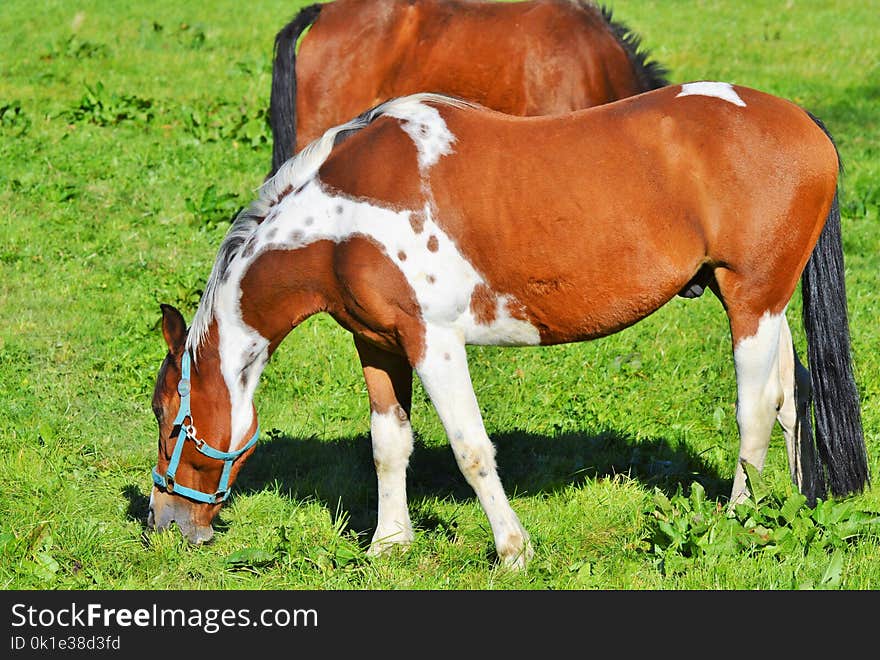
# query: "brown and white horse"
(523, 58)
(428, 224)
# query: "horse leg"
(759, 388)
(445, 377)
(389, 384)
(794, 416)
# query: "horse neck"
(236, 355)
(252, 314)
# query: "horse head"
(196, 466)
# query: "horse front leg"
(445, 377)
(389, 384)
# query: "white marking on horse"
(392, 439)
(759, 394)
(427, 129)
(240, 345)
(794, 415)
(721, 90)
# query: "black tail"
(839, 437)
(282, 104)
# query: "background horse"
(522, 58)
(435, 224)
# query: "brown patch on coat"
(283, 287)
(417, 221)
(376, 301)
(359, 166)
(484, 304)
(613, 249)
(433, 244)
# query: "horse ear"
(173, 329)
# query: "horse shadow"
(339, 473)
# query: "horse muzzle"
(166, 509)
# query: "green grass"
(128, 136)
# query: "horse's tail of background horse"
(282, 102)
(838, 426)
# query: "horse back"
(523, 58)
(594, 219)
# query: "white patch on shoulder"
(721, 90)
(427, 129)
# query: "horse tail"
(282, 103)
(837, 418)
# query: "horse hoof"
(384, 544)
(516, 552)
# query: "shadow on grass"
(340, 473)
(138, 503)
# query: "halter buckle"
(192, 434)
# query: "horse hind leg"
(794, 417)
(389, 385)
(760, 395)
(445, 377)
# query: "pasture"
(131, 134)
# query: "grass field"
(131, 132)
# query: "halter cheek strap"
(188, 432)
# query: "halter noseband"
(188, 432)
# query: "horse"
(430, 223)
(522, 58)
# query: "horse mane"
(293, 175)
(651, 74)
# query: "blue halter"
(188, 432)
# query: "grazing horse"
(429, 223)
(523, 58)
